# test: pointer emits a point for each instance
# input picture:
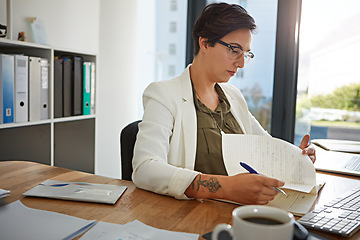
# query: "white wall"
(105, 27)
(69, 24)
(117, 93)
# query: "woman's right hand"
(249, 188)
(244, 188)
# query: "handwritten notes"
(271, 157)
(278, 159)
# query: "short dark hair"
(218, 19)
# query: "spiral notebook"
(77, 191)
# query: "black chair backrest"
(127, 142)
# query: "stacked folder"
(74, 92)
(24, 88)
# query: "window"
(256, 79)
(171, 70)
(172, 27)
(173, 5)
(328, 89)
(162, 52)
(172, 49)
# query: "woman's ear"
(203, 43)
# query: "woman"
(178, 148)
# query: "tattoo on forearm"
(212, 184)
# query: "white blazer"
(164, 152)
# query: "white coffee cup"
(253, 222)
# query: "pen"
(251, 170)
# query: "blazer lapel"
(189, 120)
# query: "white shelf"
(69, 145)
(73, 118)
(48, 121)
(20, 44)
(25, 124)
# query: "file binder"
(6, 88)
(44, 89)
(77, 81)
(92, 89)
(77, 191)
(67, 87)
(86, 87)
(21, 88)
(34, 88)
(58, 88)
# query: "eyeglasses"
(235, 52)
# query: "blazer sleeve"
(151, 170)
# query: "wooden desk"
(152, 209)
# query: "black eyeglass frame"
(249, 55)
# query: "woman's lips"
(232, 73)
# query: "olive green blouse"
(209, 157)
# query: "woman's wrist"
(206, 186)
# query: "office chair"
(127, 141)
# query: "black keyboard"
(340, 216)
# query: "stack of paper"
(135, 230)
(20, 222)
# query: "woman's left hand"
(307, 148)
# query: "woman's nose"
(240, 63)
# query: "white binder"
(21, 88)
(34, 88)
(44, 89)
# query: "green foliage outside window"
(346, 98)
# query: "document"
(77, 191)
(135, 230)
(20, 222)
(275, 158)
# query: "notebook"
(338, 145)
(77, 191)
(337, 162)
(279, 159)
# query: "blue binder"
(7, 88)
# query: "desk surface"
(152, 209)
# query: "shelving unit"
(67, 142)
